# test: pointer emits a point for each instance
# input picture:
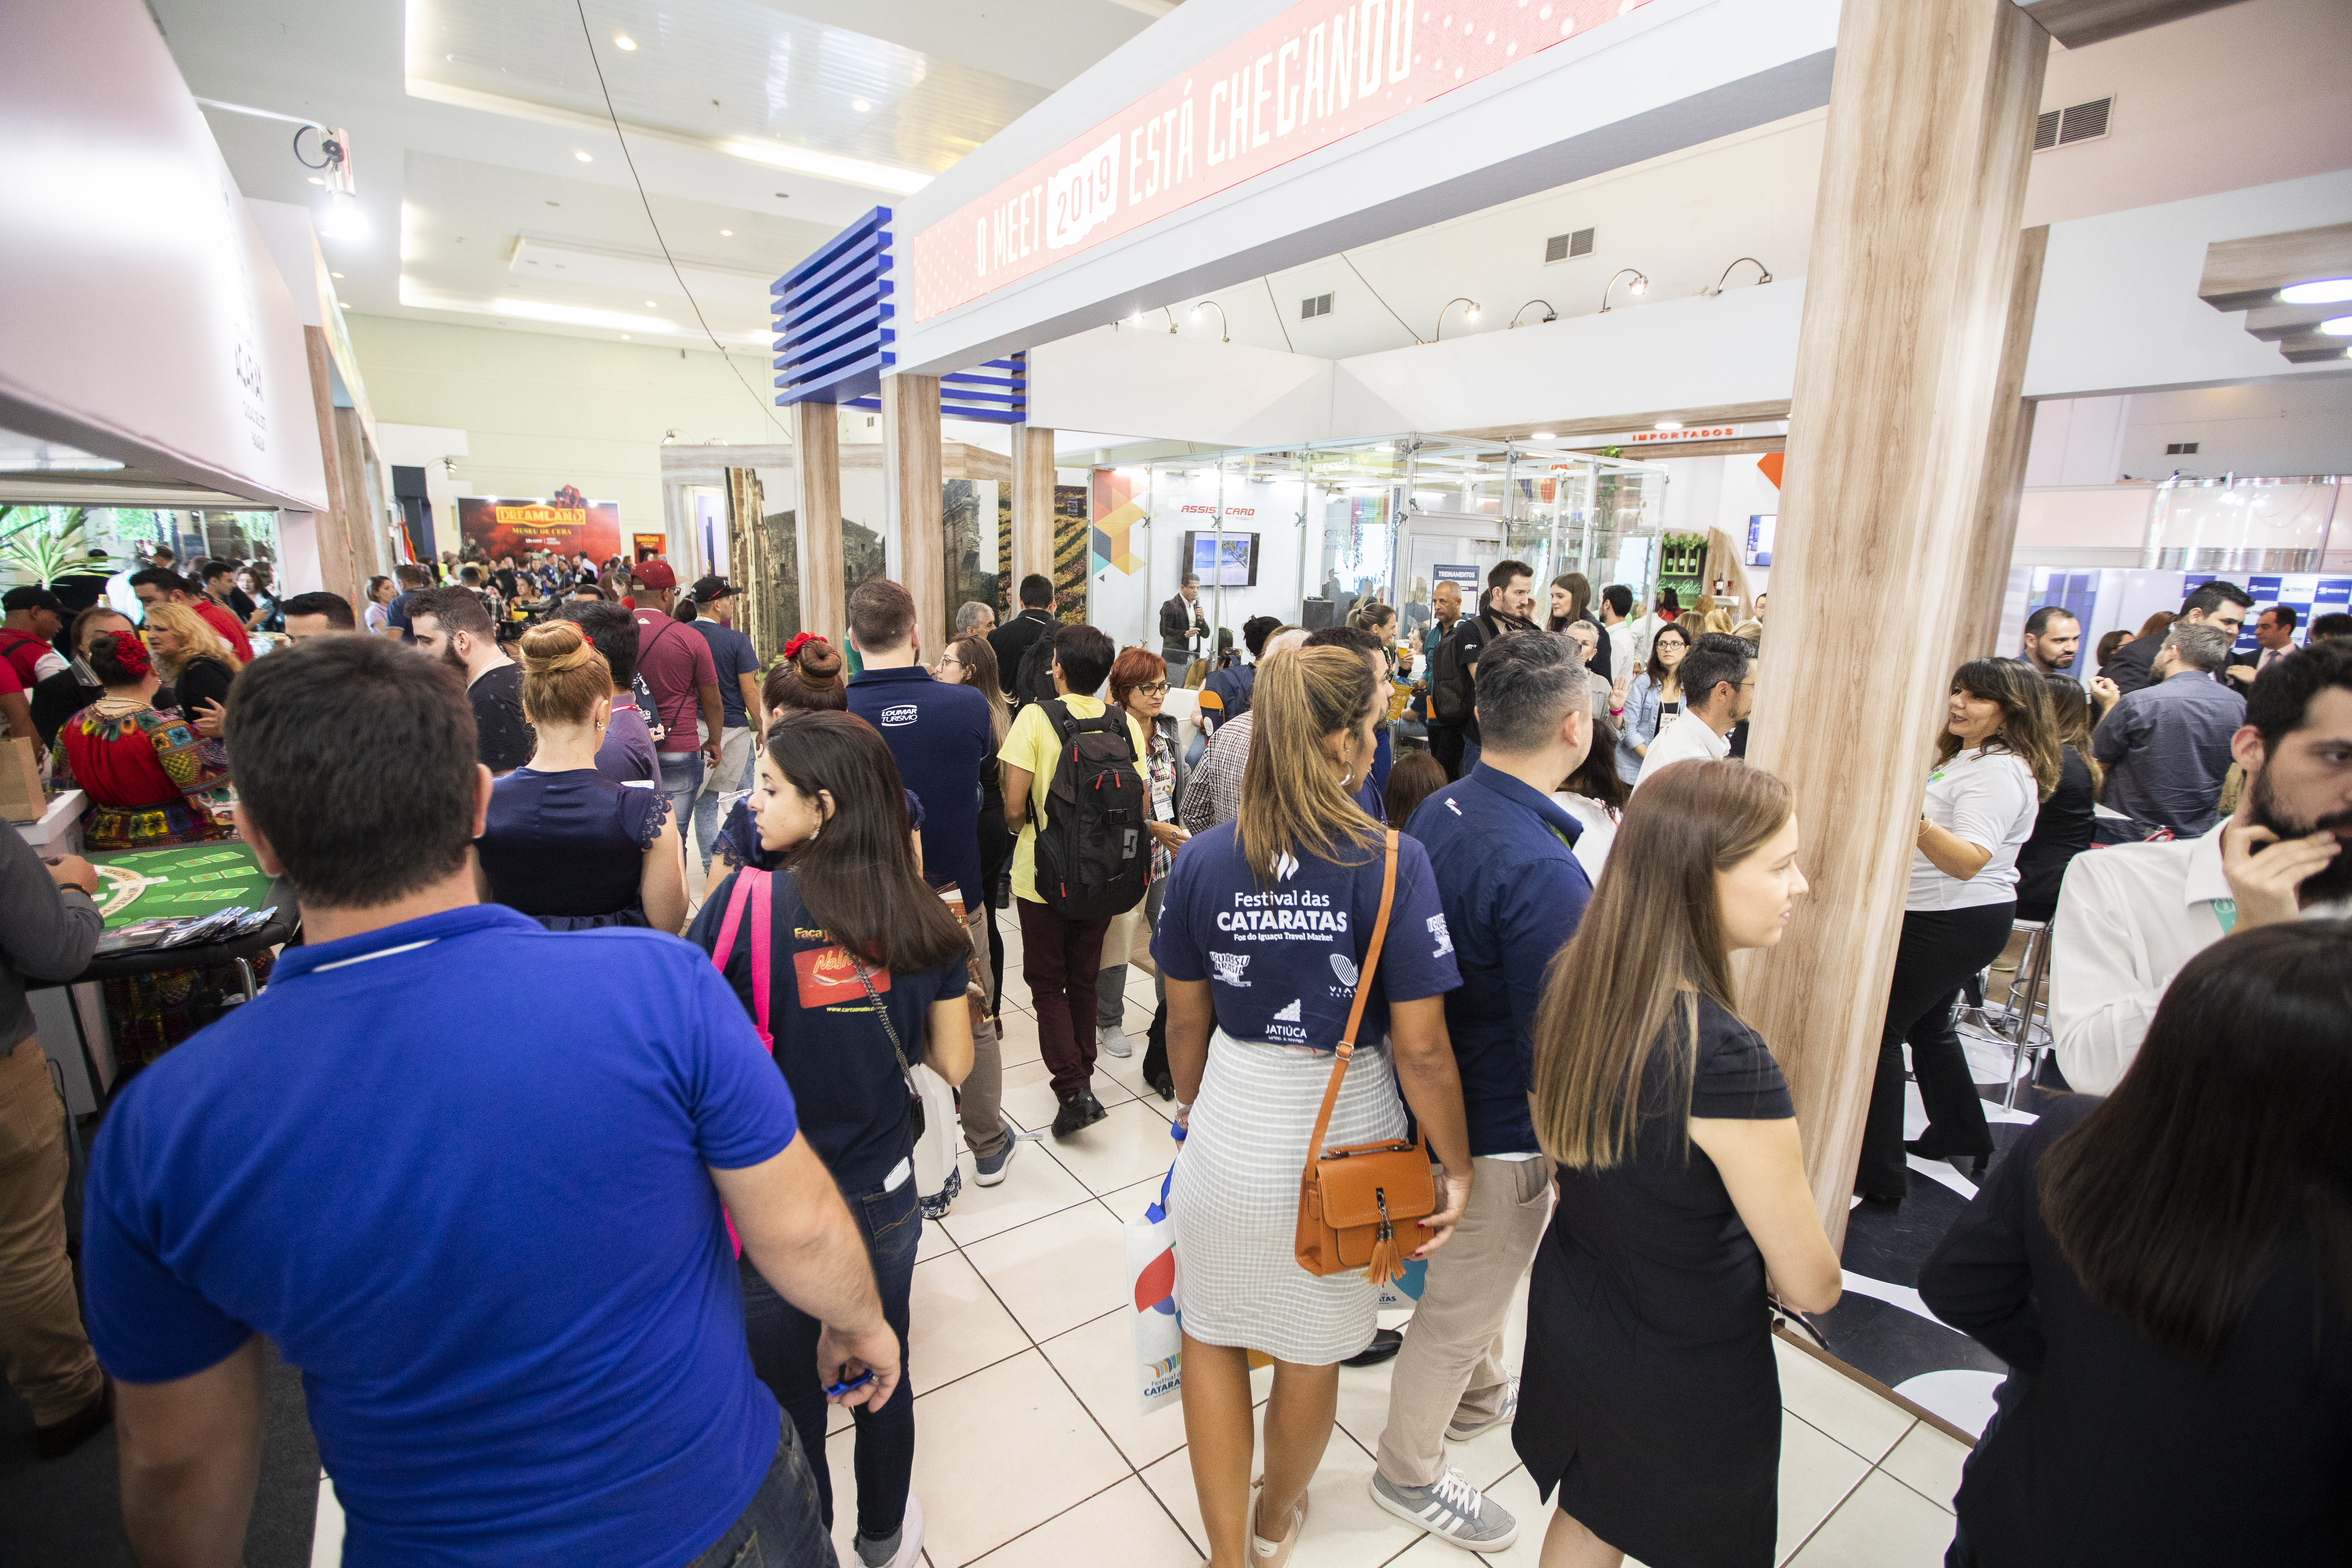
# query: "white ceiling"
(493, 187)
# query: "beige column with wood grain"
(912, 498)
(1899, 382)
(817, 518)
(1033, 510)
(2006, 449)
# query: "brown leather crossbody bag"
(1351, 1200)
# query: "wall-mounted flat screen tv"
(1227, 562)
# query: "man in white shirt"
(1718, 681)
(1616, 604)
(2130, 916)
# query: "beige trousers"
(979, 1103)
(43, 1350)
(1452, 1363)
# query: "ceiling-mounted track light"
(1641, 285)
(1222, 335)
(1763, 274)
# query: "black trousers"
(1445, 742)
(1939, 950)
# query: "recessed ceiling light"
(649, 301)
(1667, 424)
(1540, 436)
(2341, 327)
(316, 181)
(334, 275)
(860, 105)
(623, 42)
(2325, 292)
(625, 337)
(584, 157)
(726, 234)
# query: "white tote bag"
(1151, 1267)
(937, 1178)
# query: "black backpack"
(1033, 681)
(1094, 853)
(1451, 700)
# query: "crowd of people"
(1453, 897)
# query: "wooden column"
(912, 498)
(1899, 368)
(816, 516)
(1033, 509)
(2006, 449)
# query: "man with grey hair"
(2166, 747)
(1503, 852)
(974, 619)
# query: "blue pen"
(835, 1390)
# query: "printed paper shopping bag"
(1151, 1287)
(1403, 1292)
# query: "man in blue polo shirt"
(493, 1244)
(1503, 852)
(940, 733)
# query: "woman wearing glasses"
(1138, 685)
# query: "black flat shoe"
(59, 1439)
(1385, 1344)
(1880, 1200)
(1165, 1085)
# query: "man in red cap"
(678, 669)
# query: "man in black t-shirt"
(1011, 640)
(452, 624)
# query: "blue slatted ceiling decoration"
(833, 319)
(833, 335)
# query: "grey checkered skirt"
(1234, 1201)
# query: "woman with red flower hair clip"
(152, 781)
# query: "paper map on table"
(185, 879)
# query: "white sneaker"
(911, 1541)
(1114, 1042)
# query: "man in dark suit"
(1011, 639)
(1181, 624)
(2223, 603)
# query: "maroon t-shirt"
(675, 664)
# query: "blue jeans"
(734, 738)
(681, 780)
(779, 1528)
(783, 1353)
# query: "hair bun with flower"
(129, 653)
(800, 641)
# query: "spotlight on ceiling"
(726, 234)
(1224, 336)
(670, 438)
(623, 42)
(2338, 327)
(1763, 274)
(1469, 315)
(584, 157)
(1641, 285)
(860, 105)
(1667, 424)
(2323, 291)
(1540, 436)
(1550, 314)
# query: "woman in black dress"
(1649, 1395)
(2168, 1273)
(562, 843)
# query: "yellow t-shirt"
(1033, 743)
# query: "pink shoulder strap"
(751, 887)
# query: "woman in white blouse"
(1996, 759)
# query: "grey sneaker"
(988, 1171)
(1458, 1431)
(1453, 1509)
(1114, 1042)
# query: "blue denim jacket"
(1638, 726)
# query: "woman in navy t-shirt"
(850, 911)
(1262, 934)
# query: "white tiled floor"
(1030, 1450)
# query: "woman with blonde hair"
(194, 660)
(1996, 759)
(562, 843)
(1263, 941)
(1649, 1395)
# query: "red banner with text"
(500, 526)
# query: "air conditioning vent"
(1567, 247)
(1318, 305)
(2180, 448)
(2077, 123)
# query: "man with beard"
(452, 624)
(2131, 916)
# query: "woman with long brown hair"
(869, 970)
(2168, 1273)
(1654, 699)
(2068, 816)
(1264, 937)
(1997, 759)
(971, 661)
(1650, 1395)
